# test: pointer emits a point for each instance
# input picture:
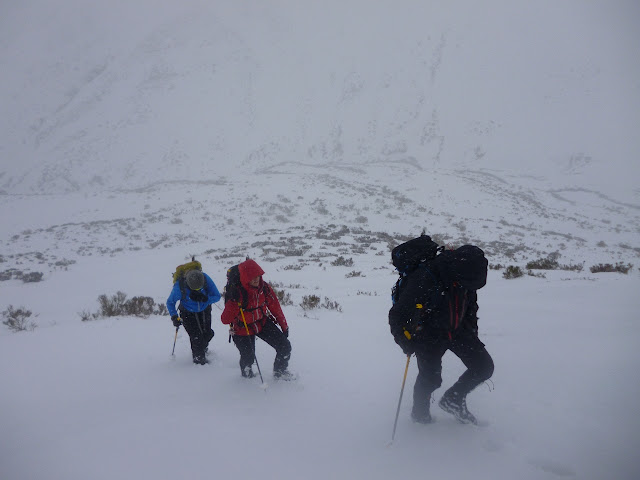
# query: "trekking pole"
(404, 379)
(174, 342)
(255, 357)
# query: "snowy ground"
(103, 399)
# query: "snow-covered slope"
(288, 212)
(104, 400)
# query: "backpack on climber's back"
(182, 270)
(233, 290)
(190, 275)
(409, 255)
(466, 266)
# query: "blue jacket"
(209, 289)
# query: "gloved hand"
(406, 344)
(177, 321)
(198, 296)
(286, 332)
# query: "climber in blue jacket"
(196, 292)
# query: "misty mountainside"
(234, 128)
(119, 95)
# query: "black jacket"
(433, 304)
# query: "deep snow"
(104, 399)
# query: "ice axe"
(174, 343)
(404, 380)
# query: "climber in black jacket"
(435, 311)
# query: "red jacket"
(259, 299)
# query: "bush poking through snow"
(309, 302)
(17, 319)
(618, 267)
(14, 274)
(283, 297)
(331, 305)
(512, 272)
(342, 262)
(32, 277)
(119, 306)
(86, 315)
(112, 306)
(549, 263)
(140, 306)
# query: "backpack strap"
(437, 282)
(395, 291)
(181, 284)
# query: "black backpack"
(466, 265)
(410, 255)
(233, 290)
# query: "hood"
(249, 269)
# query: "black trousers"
(468, 348)
(274, 337)
(198, 326)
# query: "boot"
(456, 405)
(283, 375)
(247, 372)
(421, 416)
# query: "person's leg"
(479, 368)
(475, 357)
(246, 347)
(429, 358)
(193, 326)
(206, 327)
(275, 338)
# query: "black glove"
(286, 332)
(407, 345)
(177, 321)
(198, 296)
